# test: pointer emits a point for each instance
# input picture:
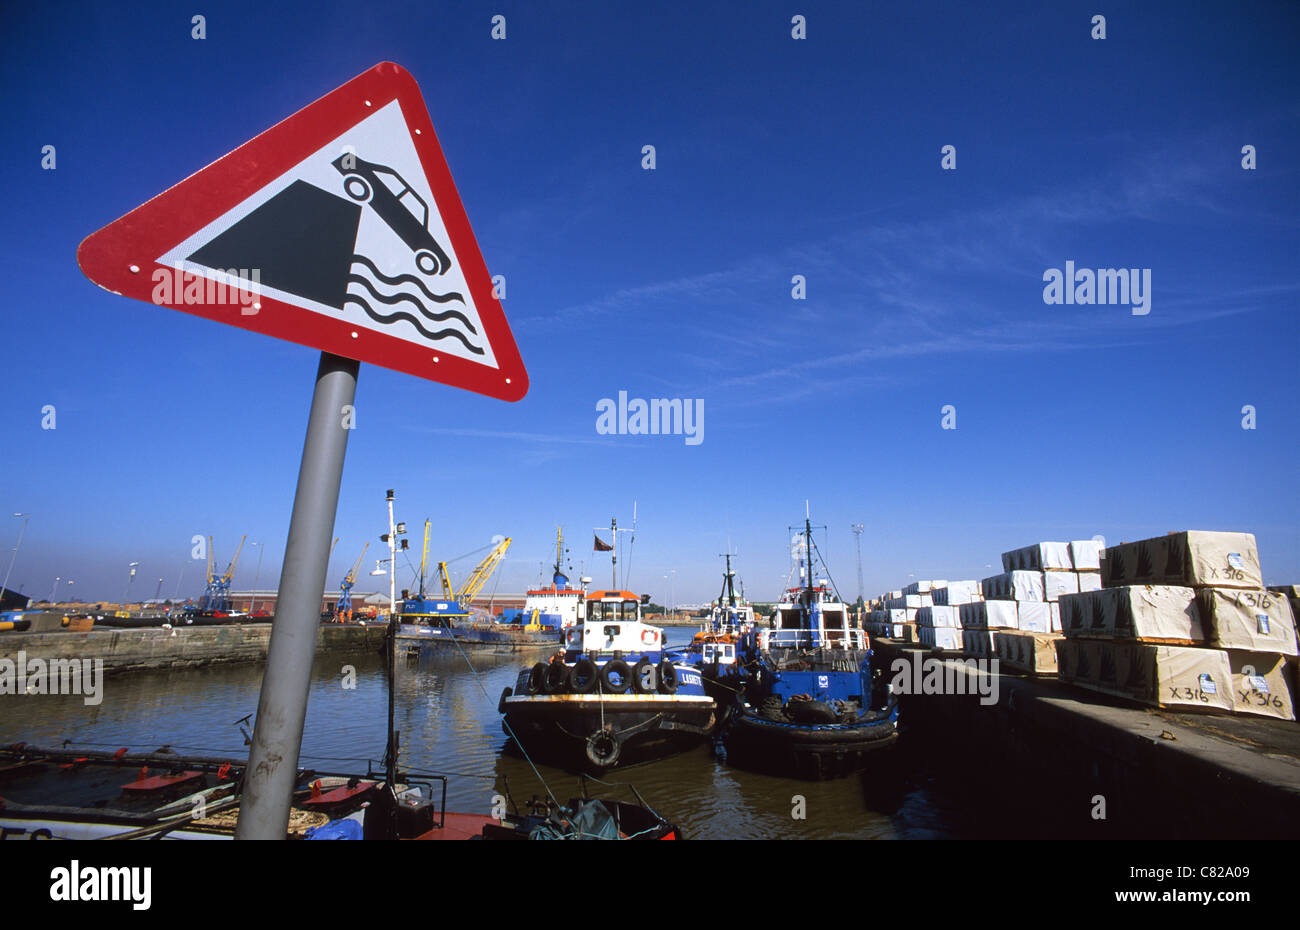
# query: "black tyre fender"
(603, 748)
(557, 678)
(668, 680)
(612, 668)
(537, 679)
(501, 704)
(811, 713)
(645, 679)
(583, 677)
(772, 708)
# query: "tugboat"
(612, 697)
(812, 708)
(714, 648)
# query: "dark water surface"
(449, 724)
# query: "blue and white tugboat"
(811, 707)
(612, 697)
(714, 648)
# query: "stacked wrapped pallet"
(1022, 605)
(893, 619)
(916, 604)
(939, 628)
(1183, 621)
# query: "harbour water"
(449, 724)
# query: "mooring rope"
(509, 730)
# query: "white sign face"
(339, 228)
(351, 232)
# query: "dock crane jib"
(478, 578)
(344, 611)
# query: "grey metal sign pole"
(282, 708)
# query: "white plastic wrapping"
(1014, 586)
(1039, 557)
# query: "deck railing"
(834, 639)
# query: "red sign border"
(107, 256)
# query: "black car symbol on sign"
(383, 188)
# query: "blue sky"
(775, 157)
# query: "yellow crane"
(477, 578)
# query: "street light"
(126, 595)
(26, 516)
(391, 538)
(57, 579)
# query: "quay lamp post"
(53, 588)
(26, 516)
(395, 530)
(126, 595)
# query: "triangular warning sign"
(339, 228)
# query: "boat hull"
(479, 639)
(809, 752)
(593, 732)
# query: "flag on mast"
(601, 546)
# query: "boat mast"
(613, 550)
(807, 551)
(728, 586)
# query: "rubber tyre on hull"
(537, 679)
(615, 677)
(584, 676)
(603, 749)
(811, 713)
(668, 680)
(645, 680)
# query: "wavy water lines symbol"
(408, 289)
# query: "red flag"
(600, 546)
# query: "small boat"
(87, 794)
(584, 818)
(612, 697)
(812, 707)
